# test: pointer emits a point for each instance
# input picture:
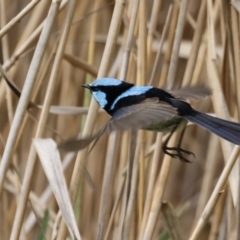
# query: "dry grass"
(48, 49)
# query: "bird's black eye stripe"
(99, 88)
(94, 89)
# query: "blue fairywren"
(154, 109)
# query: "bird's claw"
(179, 153)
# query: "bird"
(133, 107)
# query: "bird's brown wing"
(138, 116)
(191, 93)
(73, 145)
(151, 111)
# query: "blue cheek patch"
(133, 91)
(100, 97)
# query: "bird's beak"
(86, 86)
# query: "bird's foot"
(177, 152)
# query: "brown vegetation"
(48, 49)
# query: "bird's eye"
(95, 89)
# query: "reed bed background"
(134, 191)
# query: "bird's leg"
(179, 151)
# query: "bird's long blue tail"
(224, 129)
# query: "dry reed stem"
(236, 48)
(91, 54)
(142, 48)
(152, 179)
(216, 193)
(81, 64)
(217, 217)
(211, 32)
(128, 225)
(43, 118)
(123, 73)
(129, 40)
(156, 63)
(141, 79)
(23, 101)
(141, 187)
(229, 35)
(122, 210)
(6, 54)
(172, 222)
(131, 203)
(189, 17)
(203, 49)
(152, 26)
(18, 18)
(199, 64)
(34, 95)
(32, 25)
(46, 105)
(208, 178)
(47, 193)
(219, 102)
(195, 44)
(23, 48)
(157, 195)
(116, 204)
(132, 170)
(29, 41)
(91, 117)
(170, 40)
(124, 230)
(106, 184)
(176, 44)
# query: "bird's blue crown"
(105, 82)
